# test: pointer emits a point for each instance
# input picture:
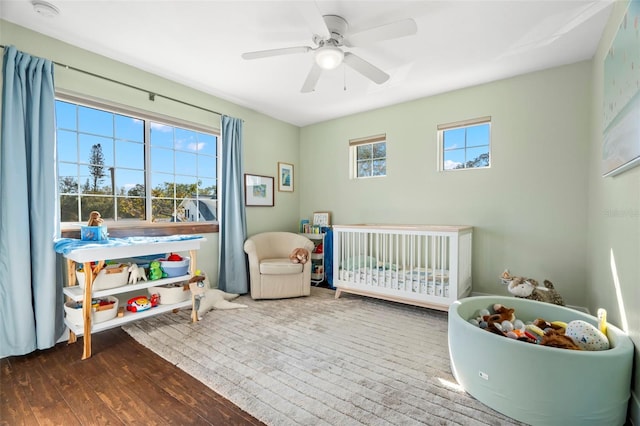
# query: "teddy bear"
(95, 219)
(299, 255)
(501, 313)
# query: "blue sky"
(465, 141)
(176, 154)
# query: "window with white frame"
(465, 144)
(133, 168)
(368, 156)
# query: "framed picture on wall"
(258, 191)
(285, 177)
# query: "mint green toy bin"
(540, 385)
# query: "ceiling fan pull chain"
(344, 71)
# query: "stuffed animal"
(502, 313)
(494, 321)
(528, 288)
(556, 339)
(210, 298)
(155, 271)
(95, 219)
(299, 255)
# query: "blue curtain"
(233, 222)
(30, 290)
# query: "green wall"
(528, 209)
(266, 140)
(613, 262)
(542, 210)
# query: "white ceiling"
(199, 43)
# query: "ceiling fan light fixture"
(329, 57)
(45, 9)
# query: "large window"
(368, 156)
(132, 168)
(465, 144)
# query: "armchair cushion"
(279, 267)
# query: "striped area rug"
(321, 361)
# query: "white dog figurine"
(211, 298)
(136, 273)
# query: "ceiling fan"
(330, 36)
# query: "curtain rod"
(152, 94)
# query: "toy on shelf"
(136, 273)
(95, 229)
(173, 257)
(95, 219)
(174, 265)
(155, 272)
(139, 304)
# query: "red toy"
(174, 257)
(155, 300)
(139, 304)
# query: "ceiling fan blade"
(372, 72)
(275, 52)
(405, 27)
(312, 78)
(312, 16)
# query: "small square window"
(369, 157)
(465, 145)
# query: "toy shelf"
(128, 317)
(76, 293)
(122, 250)
(317, 259)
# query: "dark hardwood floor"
(122, 383)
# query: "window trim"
(441, 128)
(144, 228)
(353, 157)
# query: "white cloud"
(161, 127)
(448, 164)
(196, 146)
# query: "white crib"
(420, 265)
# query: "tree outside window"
(465, 145)
(106, 164)
(369, 156)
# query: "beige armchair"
(272, 275)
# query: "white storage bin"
(171, 293)
(109, 277)
(73, 311)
